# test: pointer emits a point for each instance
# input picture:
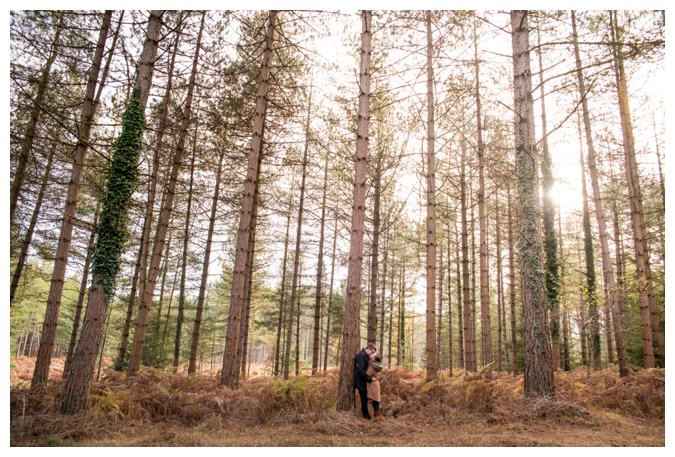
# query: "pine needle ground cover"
(164, 409)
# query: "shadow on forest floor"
(164, 409)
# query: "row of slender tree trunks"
(540, 358)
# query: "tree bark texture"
(512, 281)
(486, 331)
(81, 295)
(607, 267)
(591, 293)
(550, 240)
(538, 364)
(164, 218)
(431, 349)
(468, 321)
(75, 396)
(44, 357)
(229, 376)
(350, 328)
(648, 307)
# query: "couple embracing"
(367, 367)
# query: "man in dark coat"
(361, 378)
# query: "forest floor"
(158, 408)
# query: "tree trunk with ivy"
(591, 293)
(538, 365)
(145, 242)
(550, 241)
(48, 336)
(350, 327)
(607, 266)
(112, 230)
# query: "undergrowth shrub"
(409, 403)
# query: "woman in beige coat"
(374, 368)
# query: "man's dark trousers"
(363, 393)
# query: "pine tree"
(538, 365)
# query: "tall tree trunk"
(565, 350)
(391, 309)
(460, 324)
(371, 336)
(607, 267)
(472, 322)
(648, 307)
(319, 273)
(439, 361)
(662, 187)
(383, 289)
(469, 349)
(28, 237)
(512, 281)
(282, 293)
(550, 241)
(486, 331)
(591, 294)
(450, 360)
(330, 294)
(400, 359)
(298, 240)
(350, 327)
(44, 357)
(80, 297)
(184, 259)
(297, 325)
(229, 376)
(205, 271)
(35, 112)
(160, 302)
(608, 330)
(538, 365)
(248, 282)
(145, 242)
(620, 277)
(501, 323)
(122, 180)
(431, 349)
(164, 217)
